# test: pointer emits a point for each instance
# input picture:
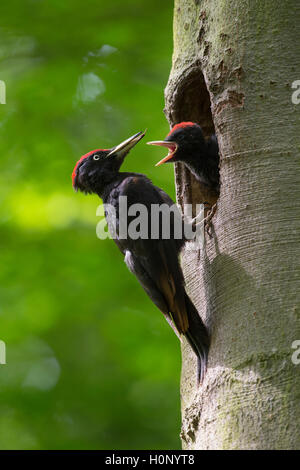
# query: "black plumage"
(155, 262)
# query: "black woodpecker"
(186, 144)
(154, 261)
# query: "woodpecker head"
(97, 168)
(184, 142)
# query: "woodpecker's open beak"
(124, 147)
(171, 146)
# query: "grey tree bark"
(234, 63)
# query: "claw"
(208, 219)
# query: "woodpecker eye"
(96, 157)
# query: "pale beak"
(124, 147)
(171, 146)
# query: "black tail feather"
(198, 338)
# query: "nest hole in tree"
(190, 101)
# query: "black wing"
(156, 265)
(154, 261)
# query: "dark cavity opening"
(190, 101)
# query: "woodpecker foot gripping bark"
(208, 219)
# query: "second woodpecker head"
(97, 168)
(184, 142)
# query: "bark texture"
(234, 63)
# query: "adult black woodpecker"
(154, 261)
(186, 143)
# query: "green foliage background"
(91, 363)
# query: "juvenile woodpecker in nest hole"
(186, 143)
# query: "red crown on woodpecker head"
(181, 125)
(80, 160)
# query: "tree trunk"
(234, 63)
